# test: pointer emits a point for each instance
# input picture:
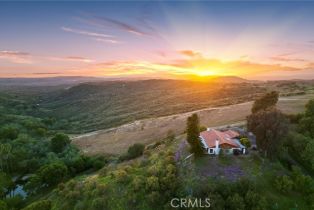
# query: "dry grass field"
(117, 140)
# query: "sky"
(158, 39)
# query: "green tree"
(193, 133)
(270, 127)
(269, 100)
(59, 142)
(5, 157)
(306, 124)
(6, 185)
(52, 174)
(9, 132)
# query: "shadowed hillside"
(91, 106)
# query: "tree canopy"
(59, 142)
(267, 101)
(193, 133)
(268, 124)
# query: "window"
(211, 151)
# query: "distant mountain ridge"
(55, 81)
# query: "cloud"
(16, 56)
(192, 66)
(108, 22)
(96, 36)
(112, 41)
(190, 53)
(286, 59)
(310, 65)
(47, 73)
(87, 33)
(69, 59)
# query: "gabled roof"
(232, 134)
(212, 135)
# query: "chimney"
(217, 147)
(217, 143)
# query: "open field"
(117, 140)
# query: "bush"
(3, 205)
(283, 184)
(235, 202)
(53, 173)
(121, 176)
(9, 132)
(59, 142)
(136, 150)
(39, 205)
(245, 142)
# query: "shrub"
(9, 132)
(121, 176)
(245, 142)
(152, 183)
(135, 150)
(98, 204)
(235, 202)
(59, 142)
(39, 205)
(137, 183)
(53, 173)
(283, 184)
(3, 205)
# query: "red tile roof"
(212, 135)
(231, 133)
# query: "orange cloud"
(189, 53)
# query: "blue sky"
(258, 40)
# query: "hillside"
(99, 105)
(85, 107)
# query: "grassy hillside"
(93, 106)
(99, 105)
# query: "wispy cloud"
(286, 59)
(70, 59)
(47, 73)
(16, 56)
(112, 41)
(87, 33)
(101, 37)
(101, 21)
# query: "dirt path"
(117, 140)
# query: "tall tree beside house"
(193, 133)
(268, 101)
(306, 125)
(270, 127)
(268, 124)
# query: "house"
(215, 141)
